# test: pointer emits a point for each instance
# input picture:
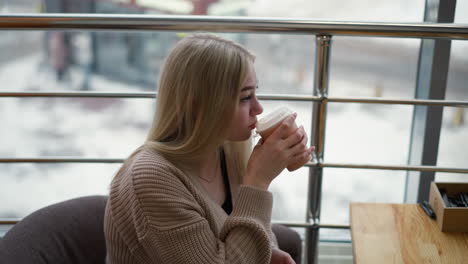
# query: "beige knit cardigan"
(158, 214)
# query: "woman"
(195, 192)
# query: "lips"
(252, 126)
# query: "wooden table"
(402, 233)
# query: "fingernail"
(294, 114)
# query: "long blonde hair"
(198, 95)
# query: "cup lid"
(273, 118)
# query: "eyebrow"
(251, 87)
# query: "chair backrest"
(67, 232)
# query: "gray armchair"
(65, 232)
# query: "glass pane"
(453, 146)
(78, 127)
(87, 61)
(458, 67)
(75, 61)
(290, 195)
(367, 133)
(18, 6)
(290, 70)
(28, 187)
(373, 67)
(461, 12)
(335, 246)
(335, 235)
(344, 186)
(351, 10)
(451, 177)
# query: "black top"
(227, 205)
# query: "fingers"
(285, 127)
(295, 138)
(303, 157)
(298, 147)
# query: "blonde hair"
(198, 95)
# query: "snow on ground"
(113, 128)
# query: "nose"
(257, 108)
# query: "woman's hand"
(270, 157)
(280, 257)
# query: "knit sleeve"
(175, 229)
(273, 238)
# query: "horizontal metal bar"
(399, 101)
(294, 97)
(309, 164)
(228, 24)
(329, 226)
(81, 94)
(390, 167)
(311, 225)
(14, 221)
(60, 160)
(295, 224)
(142, 95)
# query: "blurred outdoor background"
(132, 61)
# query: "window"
(131, 61)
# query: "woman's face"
(249, 107)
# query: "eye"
(245, 99)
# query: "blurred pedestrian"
(83, 57)
(59, 54)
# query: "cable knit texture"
(158, 214)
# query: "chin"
(248, 135)
(242, 137)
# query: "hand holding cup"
(270, 123)
(283, 145)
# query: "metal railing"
(309, 164)
(324, 32)
(229, 24)
(273, 97)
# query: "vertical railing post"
(319, 115)
(433, 67)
